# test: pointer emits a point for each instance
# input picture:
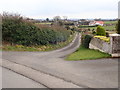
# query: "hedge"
(17, 30)
(85, 40)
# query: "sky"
(74, 9)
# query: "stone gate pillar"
(115, 45)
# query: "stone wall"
(100, 45)
(112, 48)
(115, 45)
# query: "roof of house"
(101, 22)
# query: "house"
(94, 23)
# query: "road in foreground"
(102, 73)
(13, 80)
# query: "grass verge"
(37, 48)
(86, 54)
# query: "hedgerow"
(17, 30)
(85, 40)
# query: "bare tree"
(65, 17)
(57, 18)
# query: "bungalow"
(94, 23)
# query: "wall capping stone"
(114, 34)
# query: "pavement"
(51, 70)
(10, 79)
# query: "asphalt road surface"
(10, 79)
(51, 70)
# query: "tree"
(118, 26)
(57, 18)
(60, 23)
(65, 17)
(47, 19)
(99, 19)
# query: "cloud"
(49, 8)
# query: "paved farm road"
(50, 68)
(13, 80)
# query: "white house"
(93, 23)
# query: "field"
(110, 22)
(44, 23)
(109, 26)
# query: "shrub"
(104, 38)
(17, 30)
(93, 31)
(100, 31)
(107, 34)
(118, 27)
(86, 40)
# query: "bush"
(104, 38)
(93, 31)
(17, 30)
(100, 31)
(118, 27)
(107, 34)
(85, 40)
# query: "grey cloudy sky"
(71, 8)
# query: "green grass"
(110, 22)
(105, 27)
(14, 48)
(109, 27)
(86, 54)
(37, 48)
